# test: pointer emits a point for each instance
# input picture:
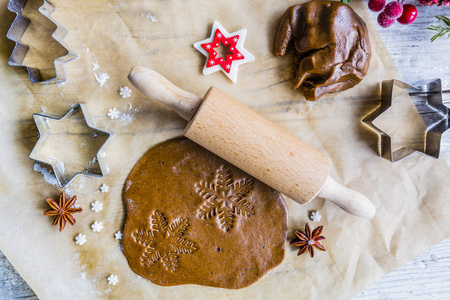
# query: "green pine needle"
(441, 30)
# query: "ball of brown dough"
(331, 44)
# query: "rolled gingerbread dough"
(194, 218)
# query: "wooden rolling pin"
(250, 142)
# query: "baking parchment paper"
(411, 196)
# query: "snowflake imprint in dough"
(164, 242)
(118, 235)
(113, 113)
(80, 239)
(104, 188)
(224, 199)
(97, 226)
(112, 279)
(315, 216)
(125, 92)
(96, 206)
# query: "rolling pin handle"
(349, 200)
(157, 87)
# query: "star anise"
(62, 210)
(308, 240)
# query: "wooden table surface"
(427, 276)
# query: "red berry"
(393, 10)
(384, 21)
(409, 14)
(376, 5)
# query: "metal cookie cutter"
(52, 129)
(427, 98)
(16, 31)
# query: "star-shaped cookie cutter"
(44, 129)
(239, 55)
(427, 98)
(18, 28)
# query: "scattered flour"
(127, 116)
(101, 78)
(137, 278)
(70, 193)
(128, 185)
(150, 17)
(49, 177)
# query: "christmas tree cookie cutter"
(18, 28)
(75, 129)
(427, 98)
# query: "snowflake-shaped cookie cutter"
(18, 28)
(427, 98)
(44, 129)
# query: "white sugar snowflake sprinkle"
(112, 279)
(118, 235)
(125, 92)
(104, 188)
(315, 216)
(96, 206)
(97, 226)
(80, 239)
(113, 113)
(101, 78)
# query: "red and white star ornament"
(235, 43)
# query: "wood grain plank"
(12, 286)
(415, 56)
(426, 277)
